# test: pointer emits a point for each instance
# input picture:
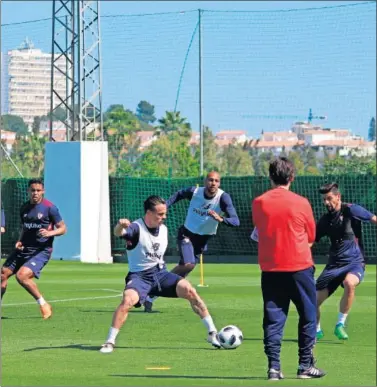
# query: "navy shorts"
(153, 282)
(33, 258)
(190, 246)
(333, 276)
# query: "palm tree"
(173, 122)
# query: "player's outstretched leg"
(130, 298)
(5, 274)
(322, 295)
(349, 283)
(186, 290)
(25, 277)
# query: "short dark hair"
(152, 201)
(329, 187)
(35, 181)
(281, 171)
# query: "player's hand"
(124, 223)
(44, 233)
(19, 245)
(2, 230)
(215, 215)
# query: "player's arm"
(362, 214)
(321, 228)
(231, 218)
(185, 193)
(129, 231)
(58, 223)
(121, 226)
(310, 226)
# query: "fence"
(127, 196)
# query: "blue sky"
(254, 63)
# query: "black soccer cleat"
(310, 373)
(148, 306)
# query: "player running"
(41, 222)
(147, 240)
(346, 266)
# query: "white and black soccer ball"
(230, 337)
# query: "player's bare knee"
(189, 266)
(185, 290)
(349, 284)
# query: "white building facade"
(29, 82)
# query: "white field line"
(72, 299)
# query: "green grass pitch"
(63, 351)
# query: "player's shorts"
(153, 282)
(333, 276)
(190, 246)
(33, 258)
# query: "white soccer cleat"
(213, 339)
(107, 348)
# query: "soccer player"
(147, 240)
(285, 228)
(41, 222)
(203, 216)
(342, 225)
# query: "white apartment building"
(29, 82)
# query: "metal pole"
(66, 79)
(200, 96)
(79, 66)
(100, 70)
(52, 71)
(73, 69)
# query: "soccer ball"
(230, 337)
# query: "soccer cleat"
(340, 332)
(273, 374)
(148, 306)
(46, 311)
(213, 339)
(319, 335)
(107, 348)
(310, 373)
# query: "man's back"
(286, 226)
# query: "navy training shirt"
(226, 204)
(35, 217)
(343, 228)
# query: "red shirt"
(286, 226)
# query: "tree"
(372, 130)
(169, 156)
(36, 125)
(297, 162)
(210, 151)
(235, 161)
(13, 123)
(173, 122)
(145, 112)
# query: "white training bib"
(197, 220)
(150, 249)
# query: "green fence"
(127, 195)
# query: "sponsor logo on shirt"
(31, 226)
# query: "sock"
(318, 327)
(3, 290)
(342, 318)
(41, 301)
(151, 299)
(113, 333)
(208, 322)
